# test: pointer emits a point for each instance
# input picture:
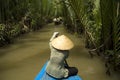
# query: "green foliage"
(12, 10)
(7, 33)
(116, 34)
(94, 20)
(113, 60)
(101, 21)
(2, 31)
(36, 24)
(40, 11)
(15, 31)
(4, 34)
(84, 15)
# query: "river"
(23, 59)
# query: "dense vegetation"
(21, 16)
(97, 20)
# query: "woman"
(57, 66)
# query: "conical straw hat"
(62, 43)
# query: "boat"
(42, 75)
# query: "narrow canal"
(23, 59)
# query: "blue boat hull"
(43, 76)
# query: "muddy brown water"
(23, 59)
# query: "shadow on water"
(23, 59)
